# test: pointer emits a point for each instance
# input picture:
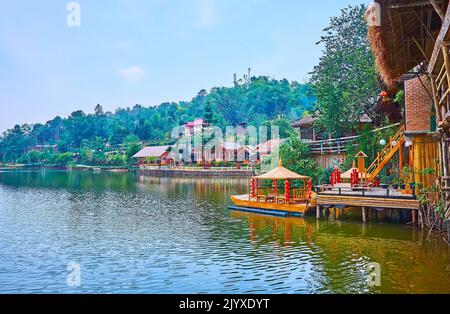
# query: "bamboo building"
(410, 40)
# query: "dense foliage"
(91, 136)
(345, 79)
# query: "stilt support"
(363, 211)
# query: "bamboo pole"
(435, 99)
(363, 211)
(318, 211)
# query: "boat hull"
(243, 203)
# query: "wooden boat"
(270, 199)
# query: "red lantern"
(253, 188)
(287, 190)
(309, 189)
(384, 94)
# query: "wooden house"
(154, 155)
(410, 40)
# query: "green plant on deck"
(407, 171)
(385, 178)
(368, 142)
(400, 97)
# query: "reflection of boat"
(285, 230)
(293, 198)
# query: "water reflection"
(136, 234)
(409, 264)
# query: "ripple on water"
(152, 235)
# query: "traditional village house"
(264, 149)
(327, 151)
(232, 152)
(46, 148)
(410, 42)
(194, 127)
(152, 155)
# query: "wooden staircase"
(386, 154)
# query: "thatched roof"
(304, 122)
(308, 121)
(405, 25)
(281, 173)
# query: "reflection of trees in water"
(70, 180)
(215, 189)
(408, 263)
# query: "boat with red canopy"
(278, 192)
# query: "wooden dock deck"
(343, 194)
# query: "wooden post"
(414, 217)
(318, 209)
(363, 210)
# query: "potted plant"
(407, 173)
(395, 183)
(384, 181)
(401, 183)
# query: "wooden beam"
(423, 25)
(439, 41)
(420, 49)
(410, 5)
(434, 92)
(437, 8)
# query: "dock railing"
(386, 193)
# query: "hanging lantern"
(253, 187)
(383, 142)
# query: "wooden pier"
(342, 196)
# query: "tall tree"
(345, 79)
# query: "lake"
(134, 234)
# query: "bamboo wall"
(426, 156)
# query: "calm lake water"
(133, 234)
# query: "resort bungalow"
(46, 148)
(310, 133)
(194, 127)
(152, 155)
(227, 152)
(265, 149)
(410, 40)
(327, 151)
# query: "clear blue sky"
(147, 51)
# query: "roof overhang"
(407, 37)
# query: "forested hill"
(262, 100)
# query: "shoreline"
(206, 173)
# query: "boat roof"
(281, 173)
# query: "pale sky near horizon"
(129, 52)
